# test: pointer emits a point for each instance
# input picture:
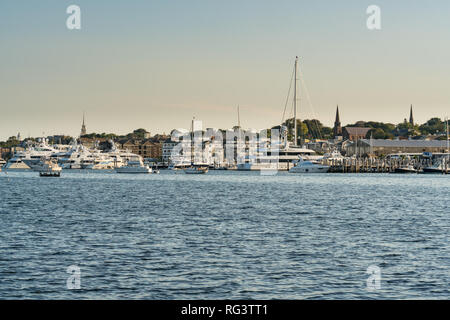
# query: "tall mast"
(446, 122)
(239, 118)
(295, 102)
(192, 141)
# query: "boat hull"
(434, 171)
(405, 171)
(50, 174)
(139, 170)
(310, 169)
(262, 166)
(196, 170)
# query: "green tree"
(377, 133)
(432, 126)
(11, 142)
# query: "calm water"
(224, 235)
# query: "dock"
(377, 165)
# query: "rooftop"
(405, 143)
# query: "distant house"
(91, 142)
(131, 145)
(151, 150)
(5, 153)
(385, 147)
(144, 148)
(167, 147)
(355, 133)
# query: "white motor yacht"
(266, 160)
(16, 164)
(33, 154)
(134, 165)
(302, 166)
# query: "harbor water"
(224, 235)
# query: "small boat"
(196, 170)
(405, 169)
(302, 166)
(134, 165)
(50, 168)
(155, 171)
(438, 167)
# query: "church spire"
(411, 118)
(337, 124)
(83, 128)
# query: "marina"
(224, 159)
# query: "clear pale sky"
(156, 64)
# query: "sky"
(156, 64)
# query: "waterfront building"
(380, 147)
(144, 148)
(167, 147)
(151, 149)
(5, 153)
(91, 143)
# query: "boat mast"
(295, 101)
(239, 118)
(446, 122)
(192, 141)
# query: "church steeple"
(337, 130)
(83, 128)
(411, 118)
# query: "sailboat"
(302, 166)
(194, 169)
(279, 155)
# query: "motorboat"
(278, 159)
(50, 168)
(437, 167)
(134, 165)
(33, 154)
(16, 164)
(306, 166)
(196, 169)
(405, 169)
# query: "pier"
(377, 165)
